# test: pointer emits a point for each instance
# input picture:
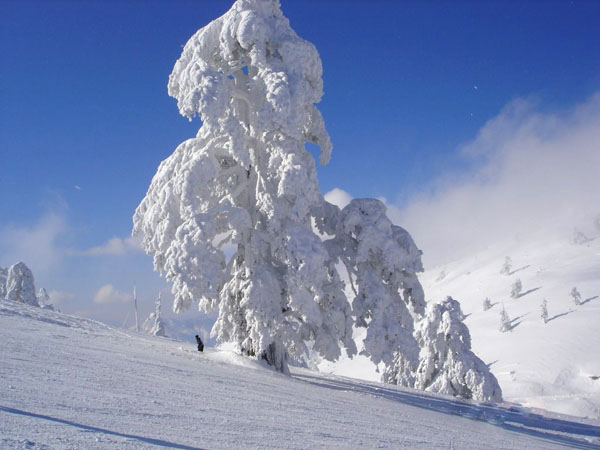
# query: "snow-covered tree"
(576, 296)
(487, 304)
(506, 267)
(447, 365)
(43, 299)
(382, 261)
(441, 275)
(247, 182)
(544, 311)
(246, 179)
(20, 286)
(3, 277)
(505, 324)
(154, 323)
(516, 289)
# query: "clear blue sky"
(83, 99)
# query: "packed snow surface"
(69, 382)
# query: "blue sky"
(85, 118)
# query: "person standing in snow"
(200, 344)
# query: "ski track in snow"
(69, 382)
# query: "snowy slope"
(542, 365)
(546, 366)
(68, 382)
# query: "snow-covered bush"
(516, 288)
(576, 296)
(487, 304)
(20, 286)
(154, 323)
(544, 311)
(505, 324)
(447, 365)
(506, 267)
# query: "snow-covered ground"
(550, 366)
(68, 382)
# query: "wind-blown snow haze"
(535, 173)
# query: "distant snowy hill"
(551, 366)
(69, 382)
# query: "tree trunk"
(276, 356)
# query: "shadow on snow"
(589, 300)
(528, 292)
(561, 314)
(518, 270)
(157, 442)
(511, 418)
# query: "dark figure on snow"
(200, 344)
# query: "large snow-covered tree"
(381, 260)
(235, 219)
(246, 180)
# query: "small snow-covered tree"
(505, 324)
(154, 323)
(441, 275)
(487, 304)
(43, 299)
(3, 277)
(20, 286)
(506, 267)
(447, 365)
(544, 311)
(576, 296)
(516, 288)
(247, 179)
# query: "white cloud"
(338, 197)
(533, 173)
(108, 294)
(114, 246)
(58, 297)
(35, 245)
